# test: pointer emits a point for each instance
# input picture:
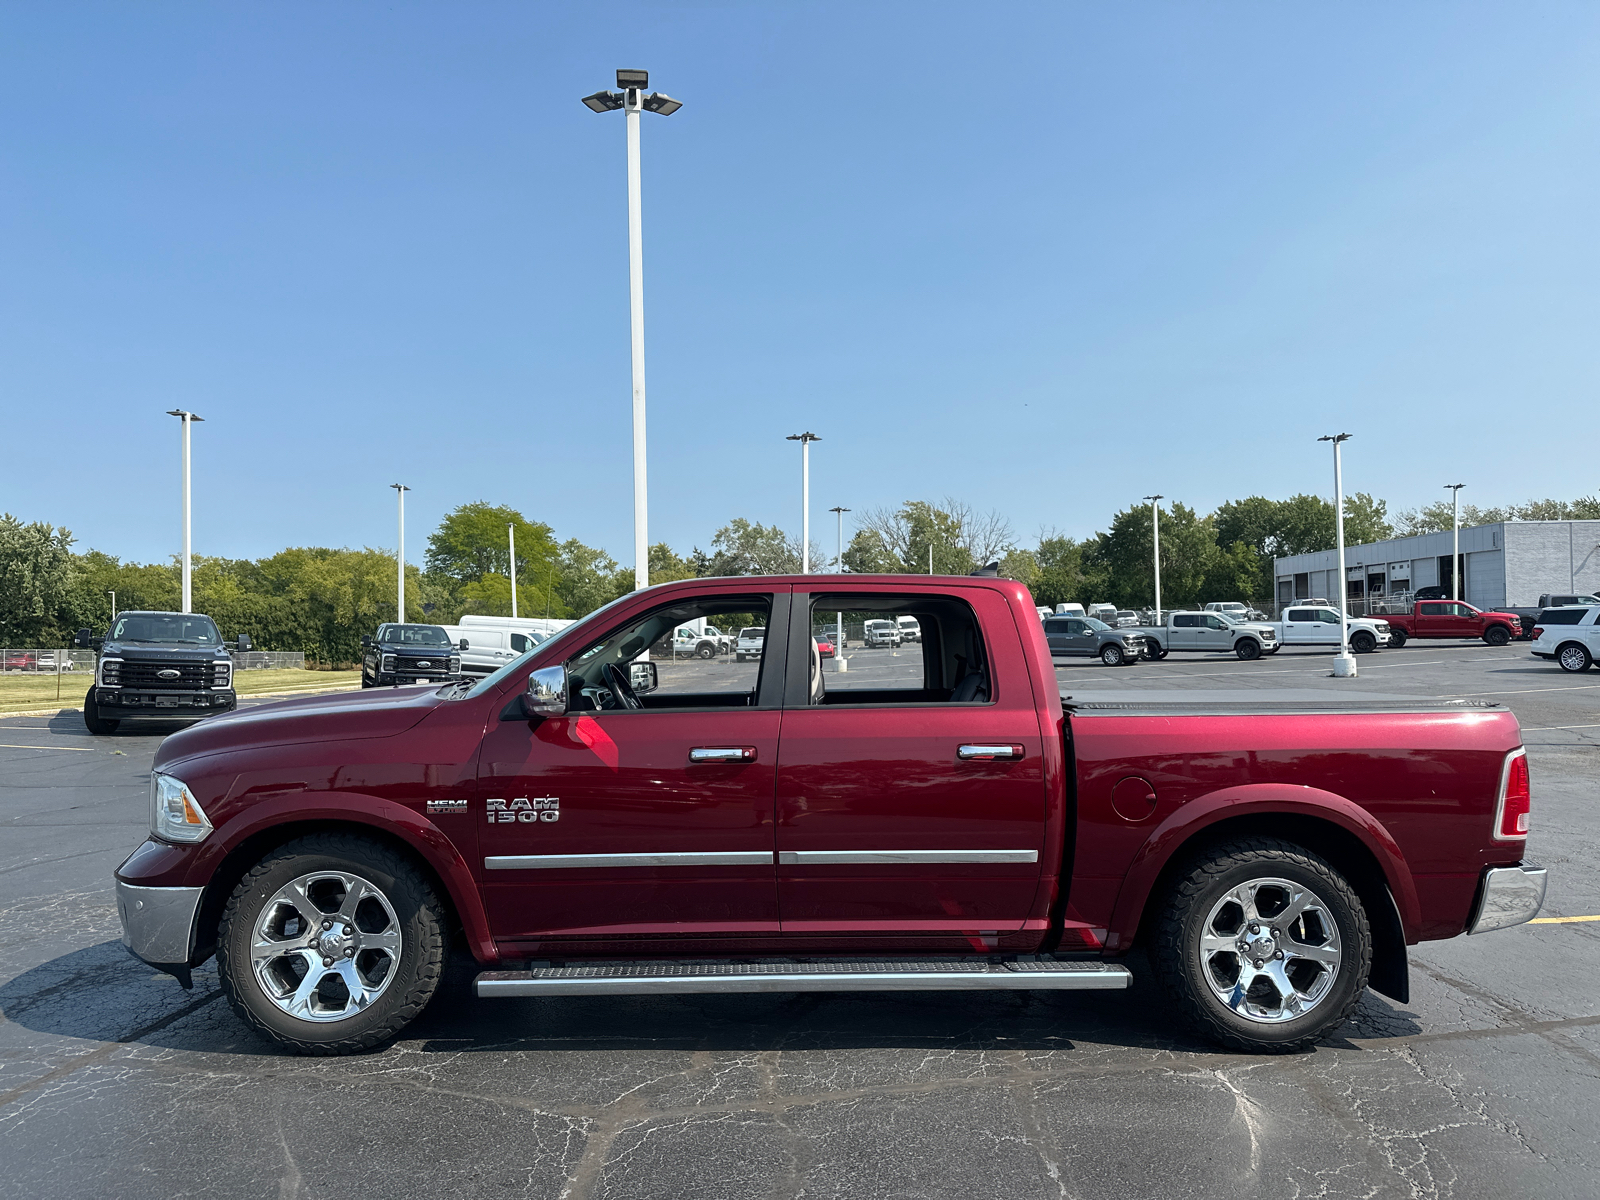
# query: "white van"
(910, 631)
(544, 626)
(1069, 610)
(486, 649)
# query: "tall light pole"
(630, 97)
(1344, 663)
(400, 604)
(805, 440)
(1455, 541)
(187, 418)
(1155, 533)
(838, 558)
(113, 596)
(511, 533)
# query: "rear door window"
(949, 665)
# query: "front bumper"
(117, 703)
(1508, 896)
(158, 924)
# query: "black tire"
(364, 682)
(1363, 642)
(1497, 635)
(1112, 655)
(92, 720)
(1153, 651)
(1570, 656)
(1397, 638)
(706, 650)
(418, 914)
(1201, 888)
(1247, 649)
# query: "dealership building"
(1512, 562)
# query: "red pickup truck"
(1451, 619)
(585, 821)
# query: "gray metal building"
(1512, 562)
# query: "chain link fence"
(73, 662)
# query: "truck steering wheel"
(620, 687)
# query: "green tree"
(472, 541)
(743, 547)
(587, 579)
(1366, 520)
(1234, 574)
(666, 565)
(1021, 565)
(1123, 555)
(1060, 570)
(36, 578)
(867, 555)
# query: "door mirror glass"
(547, 693)
(642, 676)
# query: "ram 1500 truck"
(1208, 631)
(162, 666)
(585, 829)
(1451, 619)
(1320, 627)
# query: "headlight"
(175, 815)
(111, 672)
(221, 674)
(387, 664)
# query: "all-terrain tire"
(1497, 635)
(1397, 638)
(1363, 642)
(421, 921)
(92, 720)
(1208, 878)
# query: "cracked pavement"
(114, 1081)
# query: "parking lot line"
(1559, 920)
(79, 749)
(1561, 726)
(1586, 687)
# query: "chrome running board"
(877, 975)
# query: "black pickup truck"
(162, 666)
(405, 654)
(1529, 617)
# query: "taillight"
(1538, 632)
(1516, 798)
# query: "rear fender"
(383, 817)
(1265, 799)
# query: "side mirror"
(547, 693)
(463, 644)
(82, 640)
(366, 641)
(643, 677)
(245, 644)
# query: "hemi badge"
(447, 806)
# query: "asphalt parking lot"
(114, 1081)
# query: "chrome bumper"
(158, 922)
(1509, 896)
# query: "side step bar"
(878, 975)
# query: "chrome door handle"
(708, 754)
(985, 751)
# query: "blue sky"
(1045, 258)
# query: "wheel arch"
(1378, 874)
(465, 912)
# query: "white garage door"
(1486, 578)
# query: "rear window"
(1302, 614)
(753, 632)
(1562, 616)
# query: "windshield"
(414, 635)
(187, 628)
(1095, 624)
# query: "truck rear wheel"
(1574, 657)
(1247, 648)
(92, 719)
(1497, 635)
(1397, 637)
(1263, 946)
(331, 944)
(707, 650)
(1153, 650)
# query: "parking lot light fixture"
(1455, 540)
(1344, 663)
(1155, 533)
(400, 558)
(838, 558)
(631, 99)
(805, 440)
(188, 418)
(113, 596)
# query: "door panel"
(881, 823)
(682, 846)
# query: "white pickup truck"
(1316, 626)
(1208, 632)
(751, 640)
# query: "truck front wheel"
(92, 719)
(1363, 643)
(1263, 946)
(1497, 635)
(1247, 649)
(1112, 655)
(331, 944)
(1397, 637)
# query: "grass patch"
(19, 693)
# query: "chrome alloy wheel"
(1270, 950)
(326, 946)
(1573, 658)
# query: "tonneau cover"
(1213, 702)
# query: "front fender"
(386, 816)
(1263, 799)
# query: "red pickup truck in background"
(1451, 619)
(584, 821)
